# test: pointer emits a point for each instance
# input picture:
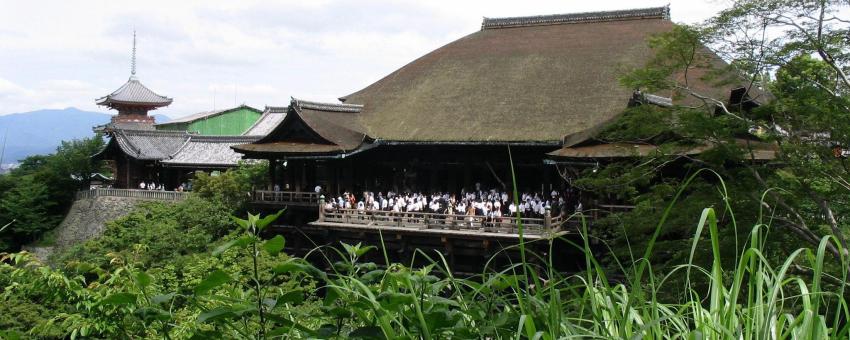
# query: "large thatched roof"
(530, 79)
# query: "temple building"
(140, 150)
(444, 122)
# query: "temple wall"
(86, 219)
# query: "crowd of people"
(160, 187)
(493, 203)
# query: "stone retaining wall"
(86, 219)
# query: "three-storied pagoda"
(139, 152)
(133, 101)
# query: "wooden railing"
(133, 193)
(421, 220)
(285, 197)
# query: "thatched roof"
(532, 79)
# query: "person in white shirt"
(142, 185)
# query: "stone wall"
(86, 219)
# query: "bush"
(233, 187)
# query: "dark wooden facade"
(420, 168)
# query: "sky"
(218, 54)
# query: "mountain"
(40, 132)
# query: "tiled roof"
(177, 148)
(134, 93)
(212, 151)
(149, 145)
(271, 117)
(571, 18)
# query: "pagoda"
(133, 101)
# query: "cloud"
(62, 53)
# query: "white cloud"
(63, 53)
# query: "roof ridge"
(337, 107)
(186, 142)
(152, 132)
(574, 18)
(223, 139)
(276, 109)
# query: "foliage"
(29, 203)
(272, 295)
(231, 188)
(167, 231)
(38, 193)
(790, 57)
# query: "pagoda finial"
(133, 60)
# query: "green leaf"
(264, 222)
(395, 301)
(118, 299)
(149, 314)
(204, 335)
(275, 245)
(217, 278)
(326, 331)
(216, 314)
(241, 242)
(157, 299)
(368, 332)
(143, 279)
(293, 297)
(242, 223)
(288, 267)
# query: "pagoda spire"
(133, 59)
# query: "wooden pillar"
(272, 172)
(467, 175)
(305, 181)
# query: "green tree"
(788, 56)
(39, 192)
(233, 187)
(26, 207)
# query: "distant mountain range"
(40, 132)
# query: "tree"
(790, 60)
(233, 187)
(39, 192)
(27, 205)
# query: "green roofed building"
(228, 122)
